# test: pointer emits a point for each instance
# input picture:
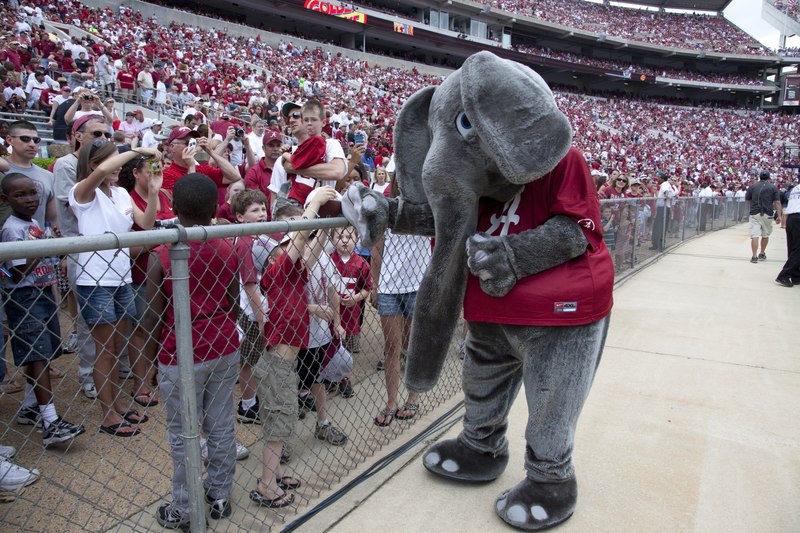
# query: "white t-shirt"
(320, 278)
(333, 150)
(405, 260)
(256, 144)
(107, 268)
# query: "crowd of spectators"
(627, 69)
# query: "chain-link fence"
(638, 229)
(118, 417)
(126, 367)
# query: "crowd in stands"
(710, 33)
(627, 69)
(240, 121)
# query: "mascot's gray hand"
(367, 211)
(487, 258)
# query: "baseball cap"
(158, 123)
(181, 132)
(84, 119)
(271, 135)
(288, 106)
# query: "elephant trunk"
(440, 296)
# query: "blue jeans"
(397, 304)
(33, 322)
(105, 305)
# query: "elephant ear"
(515, 116)
(412, 140)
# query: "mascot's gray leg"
(560, 364)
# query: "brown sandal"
(388, 415)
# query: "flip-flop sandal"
(411, 408)
(146, 399)
(55, 372)
(388, 415)
(118, 430)
(284, 500)
(288, 483)
(12, 387)
(134, 417)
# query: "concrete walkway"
(692, 423)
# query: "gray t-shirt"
(66, 175)
(762, 197)
(44, 186)
(15, 229)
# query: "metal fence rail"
(97, 482)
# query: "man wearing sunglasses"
(23, 139)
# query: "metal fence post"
(190, 427)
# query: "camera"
(88, 97)
(155, 166)
(239, 132)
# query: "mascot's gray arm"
(412, 219)
(500, 261)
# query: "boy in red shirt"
(213, 273)
(286, 331)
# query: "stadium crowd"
(240, 122)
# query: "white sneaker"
(242, 452)
(7, 452)
(71, 344)
(89, 391)
(13, 477)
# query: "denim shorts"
(105, 305)
(33, 323)
(397, 304)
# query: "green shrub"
(44, 162)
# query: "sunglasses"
(99, 134)
(622, 179)
(296, 114)
(27, 138)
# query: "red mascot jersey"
(571, 294)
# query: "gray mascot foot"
(453, 460)
(533, 506)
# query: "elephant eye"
(464, 126)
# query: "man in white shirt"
(256, 137)
(666, 192)
(708, 196)
(152, 136)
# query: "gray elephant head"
(491, 127)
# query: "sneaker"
(218, 508)
(786, 282)
(242, 452)
(71, 344)
(330, 434)
(30, 416)
(14, 477)
(346, 388)
(171, 518)
(61, 431)
(89, 391)
(330, 386)
(248, 416)
(306, 402)
(7, 452)
(381, 363)
(762, 257)
(754, 259)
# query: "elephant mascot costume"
(484, 162)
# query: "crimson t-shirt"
(213, 265)
(570, 294)
(355, 275)
(288, 322)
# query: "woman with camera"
(87, 103)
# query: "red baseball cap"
(84, 119)
(181, 132)
(271, 135)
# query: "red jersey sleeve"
(248, 272)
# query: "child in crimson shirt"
(357, 283)
(213, 273)
(286, 332)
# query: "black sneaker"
(248, 416)
(61, 431)
(219, 508)
(754, 259)
(762, 257)
(171, 518)
(330, 386)
(346, 388)
(380, 364)
(786, 282)
(306, 402)
(30, 416)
